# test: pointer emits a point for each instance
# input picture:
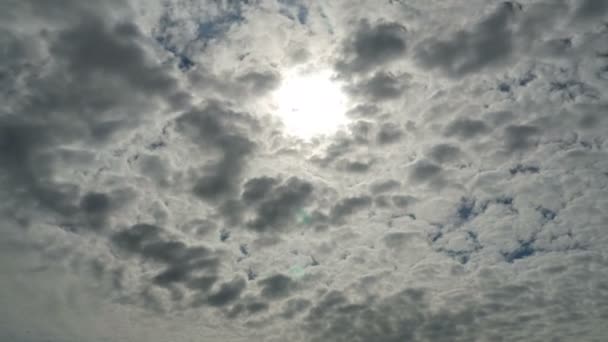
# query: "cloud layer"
(148, 193)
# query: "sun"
(310, 104)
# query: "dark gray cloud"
(519, 168)
(95, 203)
(217, 127)
(97, 207)
(384, 186)
(424, 171)
(466, 128)
(591, 9)
(349, 206)
(489, 43)
(361, 130)
(94, 68)
(256, 307)
(389, 133)
(21, 145)
(257, 82)
(520, 137)
(183, 264)
(227, 293)
(90, 49)
(381, 86)
(409, 316)
(363, 111)
(339, 147)
(277, 210)
(355, 166)
(201, 284)
(499, 118)
(403, 201)
(276, 287)
(248, 308)
(445, 153)
(373, 45)
(592, 118)
(257, 189)
(295, 307)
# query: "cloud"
(466, 128)
(389, 133)
(149, 192)
(520, 137)
(294, 307)
(21, 142)
(402, 201)
(257, 189)
(97, 207)
(384, 186)
(182, 263)
(373, 45)
(445, 153)
(489, 43)
(381, 86)
(227, 293)
(363, 110)
(408, 315)
(259, 82)
(276, 287)
(214, 127)
(524, 169)
(591, 9)
(349, 206)
(355, 166)
(73, 100)
(424, 171)
(279, 208)
(91, 48)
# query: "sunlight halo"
(310, 104)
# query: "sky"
(305, 171)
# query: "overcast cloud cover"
(148, 194)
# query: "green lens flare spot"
(297, 272)
(303, 217)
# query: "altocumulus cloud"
(146, 194)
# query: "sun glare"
(310, 104)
